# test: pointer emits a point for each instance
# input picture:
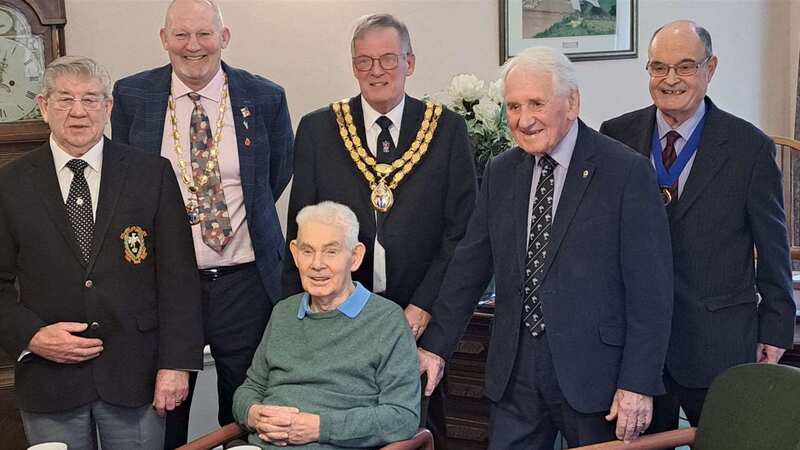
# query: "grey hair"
(332, 213)
(370, 22)
(79, 66)
(548, 61)
(702, 34)
(218, 22)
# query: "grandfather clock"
(31, 35)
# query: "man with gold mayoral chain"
(404, 166)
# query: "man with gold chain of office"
(404, 166)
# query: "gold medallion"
(133, 244)
(666, 195)
(382, 197)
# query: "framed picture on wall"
(581, 29)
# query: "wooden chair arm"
(657, 441)
(422, 440)
(215, 438)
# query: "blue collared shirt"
(351, 307)
(685, 130)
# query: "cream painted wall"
(304, 46)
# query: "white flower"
(486, 111)
(465, 87)
(495, 91)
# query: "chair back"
(752, 406)
(788, 155)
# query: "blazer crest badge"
(133, 245)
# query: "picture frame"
(584, 30)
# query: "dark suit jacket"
(431, 209)
(140, 106)
(732, 200)
(148, 313)
(607, 283)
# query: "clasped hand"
(283, 425)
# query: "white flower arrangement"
(483, 109)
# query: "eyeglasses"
(89, 103)
(388, 61)
(683, 68)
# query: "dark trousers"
(533, 408)
(666, 407)
(433, 412)
(235, 312)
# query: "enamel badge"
(133, 244)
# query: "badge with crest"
(133, 244)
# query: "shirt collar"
(211, 91)
(94, 157)
(370, 115)
(351, 307)
(562, 152)
(686, 128)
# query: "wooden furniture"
(788, 153)
(752, 406)
(467, 407)
(31, 35)
(423, 440)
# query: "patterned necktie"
(668, 156)
(541, 219)
(385, 147)
(215, 224)
(79, 208)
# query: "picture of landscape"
(568, 18)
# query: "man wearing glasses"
(402, 165)
(723, 195)
(98, 283)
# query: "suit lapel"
(710, 157)
(46, 180)
(642, 141)
(112, 179)
(245, 117)
(358, 120)
(412, 117)
(523, 177)
(156, 110)
(579, 175)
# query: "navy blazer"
(732, 202)
(265, 147)
(147, 314)
(607, 282)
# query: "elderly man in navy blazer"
(571, 225)
(724, 198)
(228, 135)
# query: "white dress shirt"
(372, 130)
(94, 157)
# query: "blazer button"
(88, 283)
(94, 326)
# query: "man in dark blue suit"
(228, 135)
(725, 192)
(572, 227)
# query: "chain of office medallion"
(401, 166)
(213, 152)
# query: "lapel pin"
(247, 142)
(585, 173)
(246, 125)
(245, 112)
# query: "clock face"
(21, 66)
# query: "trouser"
(666, 407)
(119, 427)
(236, 310)
(533, 409)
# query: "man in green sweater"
(337, 366)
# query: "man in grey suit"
(723, 195)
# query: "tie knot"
(77, 165)
(672, 136)
(384, 122)
(194, 96)
(547, 163)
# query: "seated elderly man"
(337, 366)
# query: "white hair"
(548, 61)
(332, 213)
(78, 66)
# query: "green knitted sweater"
(360, 375)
